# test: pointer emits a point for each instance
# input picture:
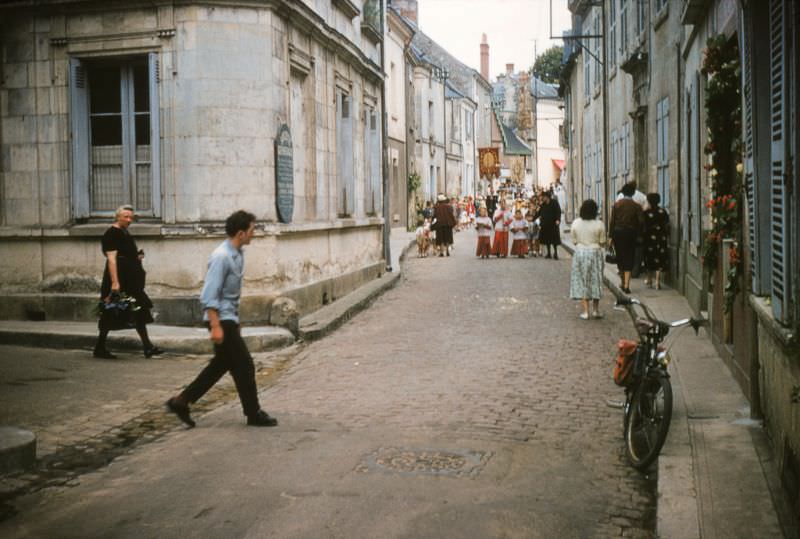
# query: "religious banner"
(489, 159)
(284, 174)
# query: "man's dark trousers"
(232, 355)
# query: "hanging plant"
(414, 182)
(724, 155)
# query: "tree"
(548, 64)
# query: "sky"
(513, 29)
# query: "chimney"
(484, 58)
(509, 69)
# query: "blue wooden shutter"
(779, 203)
(155, 132)
(695, 153)
(376, 162)
(79, 127)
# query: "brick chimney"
(407, 8)
(484, 58)
(509, 69)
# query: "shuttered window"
(613, 164)
(598, 179)
(345, 178)
(115, 136)
(695, 156)
(780, 226)
(612, 33)
(662, 150)
(372, 159)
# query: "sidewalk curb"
(325, 320)
(194, 340)
(258, 339)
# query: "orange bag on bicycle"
(624, 365)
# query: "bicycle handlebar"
(629, 301)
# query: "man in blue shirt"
(220, 300)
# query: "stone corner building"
(174, 107)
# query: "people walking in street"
(549, 218)
(427, 212)
(124, 274)
(491, 203)
(586, 279)
(443, 222)
(483, 224)
(625, 225)
(560, 194)
(638, 254)
(656, 238)
(220, 300)
(534, 248)
(519, 235)
(502, 219)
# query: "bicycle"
(647, 410)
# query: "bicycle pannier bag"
(623, 369)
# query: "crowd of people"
(507, 224)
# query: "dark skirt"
(549, 234)
(444, 235)
(625, 247)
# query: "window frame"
(80, 131)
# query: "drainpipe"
(387, 218)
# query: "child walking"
(502, 219)
(519, 231)
(484, 226)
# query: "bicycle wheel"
(648, 421)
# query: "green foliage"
(414, 181)
(548, 64)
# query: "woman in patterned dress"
(656, 238)
(586, 279)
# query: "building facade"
(657, 59)
(397, 40)
(175, 108)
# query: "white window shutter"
(79, 130)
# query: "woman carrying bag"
(124, 275)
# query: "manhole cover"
(409, 461)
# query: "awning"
(559, 163)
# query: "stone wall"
(226, 75)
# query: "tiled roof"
(512, 144)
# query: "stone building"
(449, 95)
(655, 53)
(533, 110)
(399, 94)
(174, 107)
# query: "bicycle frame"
(648, 399)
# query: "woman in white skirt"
(586, 282)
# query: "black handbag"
(118, 313)
(611, 255)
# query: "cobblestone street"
(468, 401)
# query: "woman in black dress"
(124, 274)
(549, 216)
(656, 239)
